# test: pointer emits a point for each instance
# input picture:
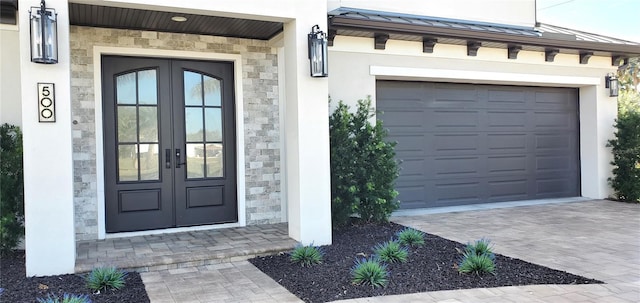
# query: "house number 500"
(46, 102)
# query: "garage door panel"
(555, 120)
(503, 98)
(409, 145)
(450, 192)
(507, 189)
(507, 120)
(555, 100)
(507, 142)
(507, 165)
(403, 120)
(453, 143)
(465, 144)
(457, 167)
(413, 168)
(559, 142)
(454, 119)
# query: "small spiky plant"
(103, 278)
(306, 255)
(391, 252)
(66, 298)
(411, 237)
(369, 272)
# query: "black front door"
(169, 143)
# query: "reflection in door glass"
(126, 89)
(147, 87)
(127, 123)
(137, 126)
(128, 162)
(149, 169)
(214, 160)
(195, 160)
(203, 126)
(192, 88)
(193, 123)
(212, 92)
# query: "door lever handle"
(178, 155)
(167, 158)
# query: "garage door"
(467, 144)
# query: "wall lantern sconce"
(611, 82)
(44, 34)
(318, 52)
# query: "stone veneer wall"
(261, 116)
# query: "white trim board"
(98, 52)
(469, 76)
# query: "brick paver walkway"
(597, 239)
(183, 249)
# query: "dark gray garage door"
(466, 144)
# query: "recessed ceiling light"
(179, 18)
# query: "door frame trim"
(98, 52)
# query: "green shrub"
(363, 166)
(104, 278)
(343, 187)
(411, 237)
(479, 264)
(480, 247)
(478, 257)
(66, 298)
(391, 252)
(626, 157)
(306, 255)
(11, 188)
(369, 272)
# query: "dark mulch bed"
(429, 268)
(18, 288)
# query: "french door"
(169, 143)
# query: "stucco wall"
(261, 116)
(10, 106)
(355, 66)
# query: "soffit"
(139, 19)
(364, 23)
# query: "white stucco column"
(598, 112)
(307, 133)
(48, 171)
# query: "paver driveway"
(596, 239)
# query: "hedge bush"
(363, 166)
(11, 188)
(626, 157)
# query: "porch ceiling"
(138, 19)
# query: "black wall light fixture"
(44, 34)
(318, 52)
(611, 82)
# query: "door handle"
(178, 155)
(167, 158)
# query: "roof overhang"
(372, 24)
(153, 20)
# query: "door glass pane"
(148, 123)
(213, 124)
(193, 123)
(127, 123)
(127, 162)
(195, 160)
(212, 92)
(147, 87)
(214, 160)
(192, 88)
(126, 89)
(149, 164)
